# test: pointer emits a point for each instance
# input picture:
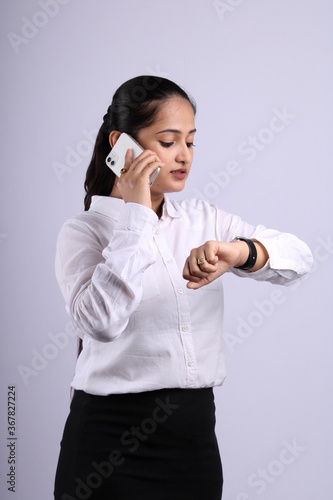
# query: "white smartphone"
(116, 158)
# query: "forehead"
(175, 110)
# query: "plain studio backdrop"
(261, 74)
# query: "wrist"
(248, 254)
(241, 252)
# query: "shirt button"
(157, 231)
(180, 291)
(185, 328)
(169, 261)
(190, 363)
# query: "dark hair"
(134, 106)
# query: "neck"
(157, 205)
(156, 201)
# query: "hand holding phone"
(116, 158)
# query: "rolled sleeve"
(289, 258)
(103, 286)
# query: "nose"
(184, 154)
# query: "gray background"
(243, 61)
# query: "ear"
(113, 137)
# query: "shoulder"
(102, 216)
(82, 220)
(85, 228)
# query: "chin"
(175, 189)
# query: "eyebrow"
(175, 131)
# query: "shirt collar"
(112, 207)
(170, 209)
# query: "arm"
(103, 286)
(282, 258)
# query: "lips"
(180, 173)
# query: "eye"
(190, 145)
(166, 144)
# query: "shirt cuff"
(284, 254)
(137, 218)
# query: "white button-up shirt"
(119, 268)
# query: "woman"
(141, 277)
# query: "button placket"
(183, 310)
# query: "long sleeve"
(103, 286)
(120, 271)
(289, 257)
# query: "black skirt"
(158, 445)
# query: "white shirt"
(119, 268)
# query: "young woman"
(141, 277)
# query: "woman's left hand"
(217, 257)
(214, 258)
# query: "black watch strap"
(252, 258)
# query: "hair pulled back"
(134, 106)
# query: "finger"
(186, 271)
(199, 266)
(207, 266)
(194, 285)
(194, 268)
(128, 159)
(210, 253)
(198, 283)
(142, 176)
(187, 275)
(127, 162)
(141, 161)
(145, 159)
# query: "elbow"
(102, 328)
(99, 317)
(306, 263)
(105, 336)
(96, 331)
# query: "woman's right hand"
(133, 184)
